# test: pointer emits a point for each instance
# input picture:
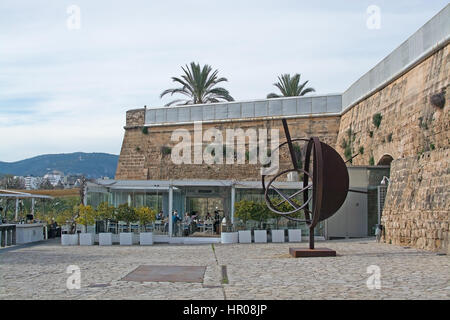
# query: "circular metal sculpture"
(325, 184)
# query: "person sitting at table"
(208, 216)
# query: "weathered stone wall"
(410, 125)
(142, 156)
(416, 211)
(416, 135)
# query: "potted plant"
(246, 210)
(228, 234)
(145, 216)
(261, 214)
(68, 218)
(86, 217)
(105, 213)
(128, 215)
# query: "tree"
(86, 215)
(126, 213)
(290, 87)
(105, 213)
(68, 217)
(145, 215)
(245, 210)
(198, 84)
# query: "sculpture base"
(310, 253)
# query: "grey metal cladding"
(234, 111)
(319, 104)
(184, 114)
(248, 109)
(172, 114)
(221, 111)
(208, 113)
(334, 103)
(261, 108)
(150, 116)
(304, 105)
(196, 113)
(289, 106)
(160, 115)
(275, 107)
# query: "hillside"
(92, 165)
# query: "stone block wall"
(416, 135)
(410, 125)
(417, 207)
(142, 157)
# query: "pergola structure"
(8, 194)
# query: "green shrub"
(165, 150)
(376, 119)
(361, 150)
(371, 161)
(144, 130)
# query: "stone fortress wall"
(413, 133)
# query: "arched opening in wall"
(379, 176)
(385, 160)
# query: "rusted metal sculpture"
(325, 187)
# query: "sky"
(66, 83)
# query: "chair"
(208, 226)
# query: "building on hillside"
(389, 115)
(54, 177)
(32, 183)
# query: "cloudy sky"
(66, 90)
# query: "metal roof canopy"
(22, 195)
(164, 185)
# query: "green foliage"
(347, 144)
(361, 150)
(371, 161)
(290, 86)
(432, 146)
(138, 149)
(144, 130)
(105, 211)
(165, 150)
(371, 134)
(199, 85)
(376, 119)
(126, 213)
(244, 209)
(145, 216)
(86, 215)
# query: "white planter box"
(146, 238)
(229, 237)
(295, 235)
(260, 236)
(245, 236)
(105, 239)
(126, 238)
(69, 239)
(86, 239)
(277, 235)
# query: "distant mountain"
(92, 165)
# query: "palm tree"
(290, 87)
(198, 85)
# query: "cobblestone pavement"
(255, 271)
